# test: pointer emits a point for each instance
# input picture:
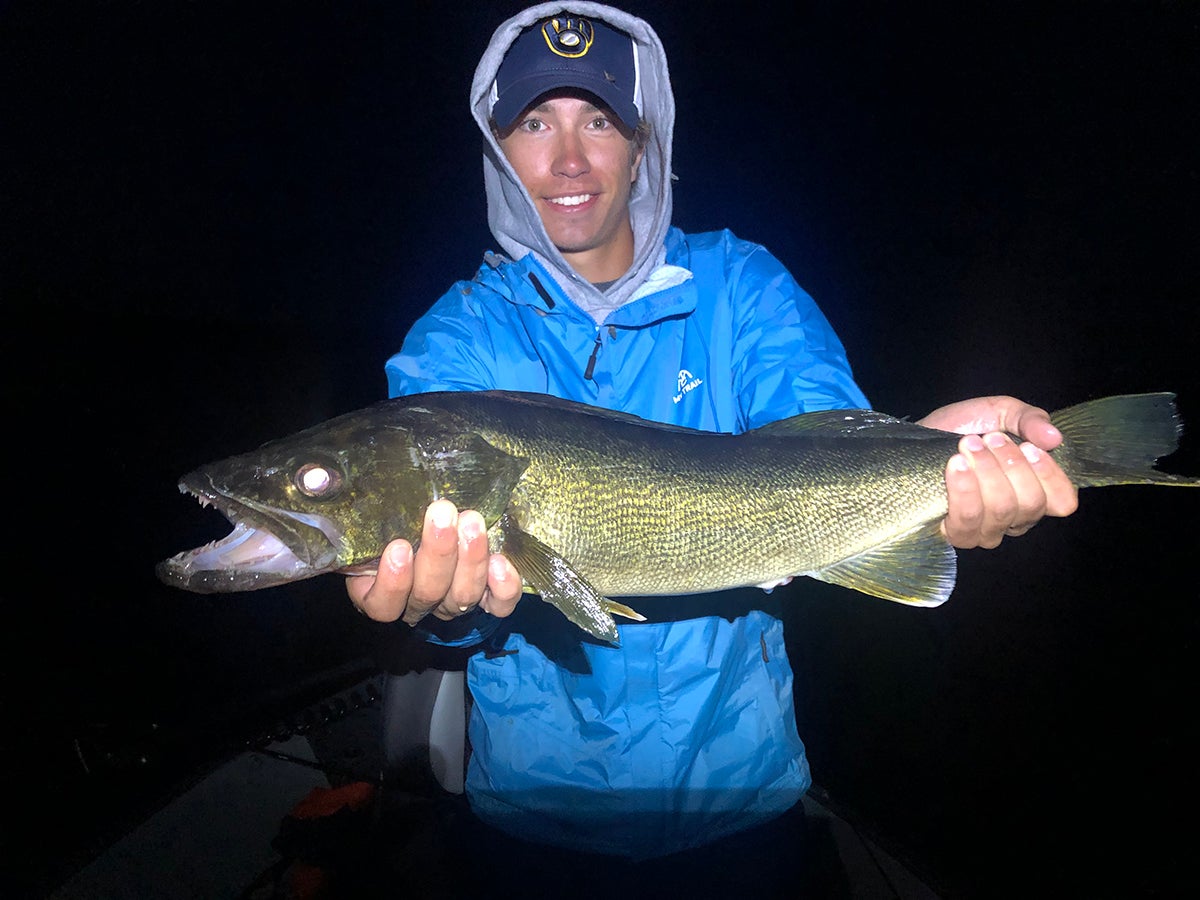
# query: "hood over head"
(512, 216)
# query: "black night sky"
(218, 219)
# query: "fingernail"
(470, 528)
(400, 555)
(499, 569)
(1032, 453)
(995, 439)
(973, 443)
(958, 463)
(441, 515)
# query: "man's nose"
(570, 158)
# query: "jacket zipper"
(541, 289)
(591, 363)
(545, 295)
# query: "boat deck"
(221, 837)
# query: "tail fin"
(1116, 440)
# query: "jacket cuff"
(467, 630)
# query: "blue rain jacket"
(686, 732)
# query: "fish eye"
(316, 479)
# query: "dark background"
(219, 219)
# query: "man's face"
(579, 169)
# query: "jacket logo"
(571, 38)
(686, 383)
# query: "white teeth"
(571, 201)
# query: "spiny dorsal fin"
(546, 402)
(918, 567)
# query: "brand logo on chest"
(686, 383)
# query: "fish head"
(326, 499)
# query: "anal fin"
(919, 567)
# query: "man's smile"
(573, 200)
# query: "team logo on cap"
(571, 38)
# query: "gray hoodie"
(511, 214)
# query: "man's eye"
(600, 122)
(532, 124)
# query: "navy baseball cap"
(568, 51)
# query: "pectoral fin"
(560, 585)
(466, 469)
(919, 568)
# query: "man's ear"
(637, 162)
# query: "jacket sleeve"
(787, 358)
(447, 349)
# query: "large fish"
(590, 504)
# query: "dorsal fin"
(849, 423)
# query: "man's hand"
(451, 573)
(997, 488)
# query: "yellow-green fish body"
(590, 504)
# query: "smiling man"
(685, 734)
(565, 111)
(578, 165)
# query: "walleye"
(591, 504)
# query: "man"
(686, 733)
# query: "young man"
(686, 732)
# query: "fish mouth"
(268, 546)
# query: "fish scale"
(754, 508)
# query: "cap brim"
(521, 94)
